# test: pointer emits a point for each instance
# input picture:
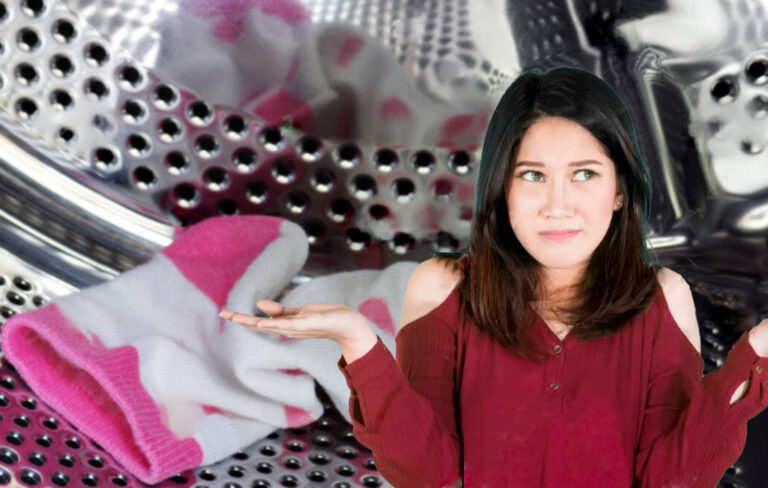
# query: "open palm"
(322, 320)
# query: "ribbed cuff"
(743, 363)
(98, 390)
(367, 367)
(743, 357)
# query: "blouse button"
(759, 368)
(553, 385)
(557, 348)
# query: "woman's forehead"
(556, 139)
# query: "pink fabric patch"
(209, 409)
(456, 124)
(290, 12)
(393, 109)
(464, 191)
(281, 106)
(178, 230)
(293, 372)
(469, 126)
(228, 30)
(442, 186)
(377, 311)
(466, 214)
(230, 15)
(296, 417)
(214, 253)
(98, 390)
(351, 46)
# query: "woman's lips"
(559, 236)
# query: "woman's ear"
(619, 202)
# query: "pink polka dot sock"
(144, 365)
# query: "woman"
(551, 353)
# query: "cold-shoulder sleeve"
(690, 432)
(404, 410)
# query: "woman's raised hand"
(323, 320)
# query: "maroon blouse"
(632, 410)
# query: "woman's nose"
(558, 199)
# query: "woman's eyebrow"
(536, 164)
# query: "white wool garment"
(145, 366)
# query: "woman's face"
(562, 180)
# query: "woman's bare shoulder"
(429, 285)
(679, 298)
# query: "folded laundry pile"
(144, 365)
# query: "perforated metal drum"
(361, 121)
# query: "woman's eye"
(590, 174)
(522, 175)
(587, 171)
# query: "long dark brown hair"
(499, 278)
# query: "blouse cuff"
(744, 363)
(745, 357)
(367, 367)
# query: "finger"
(247, 320)
(274, 308)
(276, 330)
(226, 313)
(289, 326)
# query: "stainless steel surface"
(361, 121)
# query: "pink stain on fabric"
(351, 46)
(280, 106)
(377, 311)
(290, 12)
(394, 109)
(228, 29)
(456, 124)
(463, 190)
(466, 125)
(296, 417)
(214, 253)
(230, 15)
(209, 409)
(99, 390)
(293, 371)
